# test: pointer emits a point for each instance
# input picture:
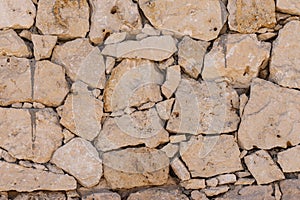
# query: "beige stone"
(226, 179)
(263, 168)
(27, 105)
(41, 195)
(149, 30)
(106, 195)
(285, 71)
(116, 38)
(82, 61)
(242, 174)
(17, 14)
(290, 189)
(113, 16)
(65, 19)
(214, 191)
(211, 155)
(245, 181)
(249, 16)
(7, 157)
(237, 59)
(177, 138)
(173, 78)
(22, 179)
(196, 195)
(26, 34)
(158, 193)
(180, 170)
(164, 108)
(289, 160)
(288, 6)
(170, 149)
(266, 36)
(187, 17)
(135, 167)
(155, 48)
(243, 101)
(272, 119)
(43, 45)
(205, 107)
(67, 135)
(277, 192)
(109, 64)
(163, 65)
(212, 182)
(193, 184)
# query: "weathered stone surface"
(156, 48)
(112, 16)
(193, 184)
(140, 127)
(22, 179)
(191, 55)
(173, 78)
(180, 170)
(245, 181)
(237, 59)
(289, 160)
(249, 16)
(205, 107)
(41, 195)
(164, 108)
(132, 83)
(288, 6)
(65, 19)
(170, 149)
(214, 191)
(187, 17)
(158, 193)
(196, 195)
(275, 115)
(17, 14)
(43, 45)
(263, 168)
(284, 66)
(116, 38)
(290, 189)
(82, 62)
(226, 179)
(135, 167)
(177, 138)
(106, 195)
(211, 155)
(79, 158)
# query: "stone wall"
(150, 99)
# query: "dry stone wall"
(150, 99)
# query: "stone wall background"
(150, 99)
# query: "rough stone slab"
(170, 149)
(214, 191)
(164, 108)
(290, 189)
(289, 160)
(41, 195)
(226, 179)
(173, 78)
(285, 71)
(205, 107)
(197, 195)
(79, 158)
(193, 184)
(116, 38)
(249, 16)
(275, 115)
(158, 193)
(65, 19)
(43, 45)
(211, 155)
(263, 168)
(288, 6)
(155, 48)
(135, 167)
(22, 179)
(221, 62)
(102, 196)
(187, 17)
(17, 14)
(180, 170)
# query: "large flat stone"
(288, 6)
(158, 193)
(289, 160)
(290, 189)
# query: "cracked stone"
(180, 170)
(289, 160)
(288, 6)
(172, 81)
(158, 193)
(290, 189)
(164, 108)
(170, 149)
(116, 38)
(43, 45)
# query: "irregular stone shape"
(132, 83)
(12, 45)
(140, 127)
(245, 181)
(50, 85)
(187, 17)
(82, 112)
(113, 16)
(173, 78)
(288, 6)
(43, 45)
(285, 71)
(41, 195)
(226, 179)
(116, 38)
(211, 155)
(222, 63)
(205, 107)
(155, 48)
(290, 189)
(82, 62)
(275, 115)
(79, 158)
(214, 191)
(17, 14)
(197, 195)
(65, 19)
(193, 184)
(170, 149)
(263, 168)
(164, 108)
(103, 196)
(30, 134)
(14, 72)
(158, 193)
(249, 16)
(191, 55)
(180, 170)
(135, 167)
(289, 160)
(22, 179)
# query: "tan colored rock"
(26, 34)
(173, 78)
(106, 195)
(79, 158)
(170, 149)
(82, 61)
(277, 192)
(7, 157)
(193, 184)
(212, 182)
(266, 36)
(65, 19)
(242, 174)
(109, 64)
(43, 45)
(27, 105)
(113, 16)
(275, 115)
(155, 48)
(290, 189)
(22, 179)
(180, 170)
(191, 55)
(289, 160)
(221, 62)
(245, 181)
(284, 71)
(164, 108)
(288, 6)
(158, 193)
(243, 101)
(135, 167)
(211, 155)
(205, 107)
(214, 191)
(17, 14)
(187, 17)
(132, 83)
(249, 16)
(41, 195)
(226, 179)
(263, 168)
(196, 195)
(177, 138)
(116, 38)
